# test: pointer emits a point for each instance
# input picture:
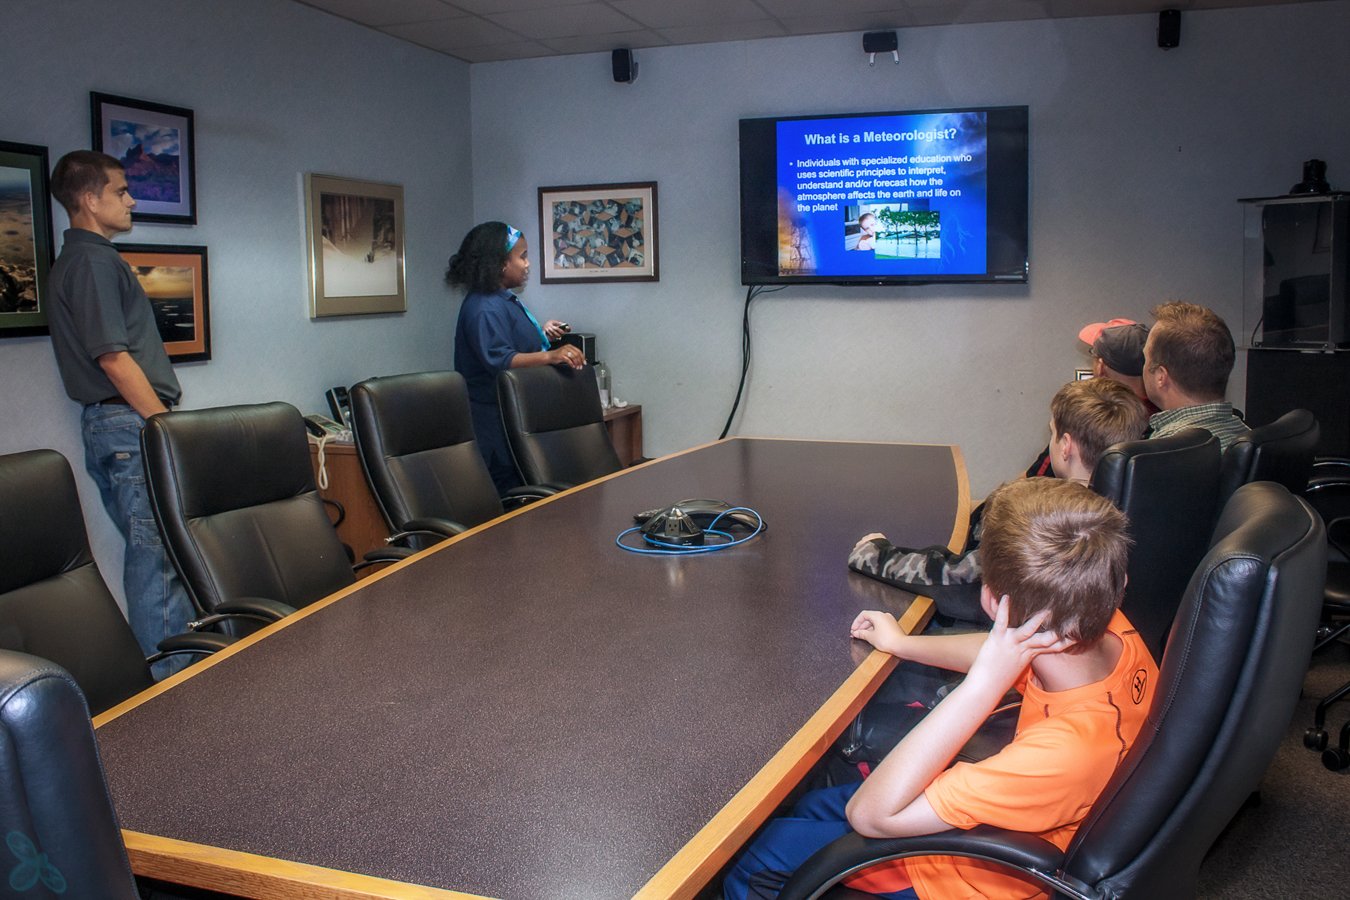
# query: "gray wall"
(279, 90)
(1137, 158)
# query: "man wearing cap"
(112, 362)
(1188, 358)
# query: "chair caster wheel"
(1315, 739)
(1336, 759)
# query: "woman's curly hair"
(477, 267)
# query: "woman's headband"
(512, 238)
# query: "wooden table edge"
(262, 877)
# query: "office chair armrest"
(382, 556)
(439, 527)
(1331, 461)
(259, 608)
(192, 642)
(851, 853)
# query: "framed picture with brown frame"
(354, 233)
(598, 233)
(25, 239)
(157, 146)
(175, 279)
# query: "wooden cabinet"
(363, 528)
(625, 433)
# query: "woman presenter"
(496, 332)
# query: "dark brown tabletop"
(528, 712)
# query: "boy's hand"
(1008, 651)
(877, 628)
(868, 538)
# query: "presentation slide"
(883, 195)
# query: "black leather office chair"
(1281, 452)
(1228, 685)
(55, 811)
(555, 425)
(1168, 488)
(414, 435)
(1329, 493)
(53, 600)
(233, 492)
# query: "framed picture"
(25, 239)
(156, 145)
(354, 232)
(175, 280)
(598, 232)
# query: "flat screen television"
(885, 198)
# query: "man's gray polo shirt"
(98, 306)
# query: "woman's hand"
(555, 329)
(566, 355)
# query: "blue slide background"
(963, 218)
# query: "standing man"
(1187, 360)
(113, 363)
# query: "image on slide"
(895, 230)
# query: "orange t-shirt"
(1067, 746)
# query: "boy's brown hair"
(1195, 346)
(1098, 412)
(81, 172)
(1056, 545)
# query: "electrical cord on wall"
(751, 293)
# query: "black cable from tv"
(751, 293)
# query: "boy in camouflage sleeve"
(1086, 417)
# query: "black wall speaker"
(1169, 28)
(880, 42)
(625, 67)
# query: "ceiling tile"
(994, 11)
(795, 9)
(601, 43)
(866, 21)
(386, 12)
(451, 34)
(668, 14)
(564, 21)
(499, 52)
(1071, 9)
(736, 31)
(486, 7)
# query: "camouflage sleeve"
(905, 567)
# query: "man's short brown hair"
(1098, 412)
(1195, 346)
(1056, 545)
(81, 172)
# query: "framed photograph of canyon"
(156, 145)
(174, 278)
(354, 234)
(598, 232)
(25, 239)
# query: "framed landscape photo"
(156, 145)
(354, 233)
(175, 279)
(598, 232)
(25, 239)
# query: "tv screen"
(885, 198)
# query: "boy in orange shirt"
(1054, 573)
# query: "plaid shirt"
(1216, 418)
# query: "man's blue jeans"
(157, 603)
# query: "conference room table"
(529, 712)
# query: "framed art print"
(25, 239)
(174, 278)
(156, 145)
(598, 232)
(354, 232)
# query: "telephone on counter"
(324, 430)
